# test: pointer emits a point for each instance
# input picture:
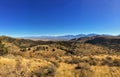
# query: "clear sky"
(59, 17)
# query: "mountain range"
(64, 37)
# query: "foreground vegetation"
(74, 58)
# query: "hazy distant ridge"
(64, 37)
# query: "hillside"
(111, 42)
(96, 56)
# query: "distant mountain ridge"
(64, 37)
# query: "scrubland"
(27, 58)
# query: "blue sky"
(59, 17)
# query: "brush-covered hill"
(86, 45)
(82, 57)
(112, 42)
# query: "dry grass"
(21, 67)
(105, 71)
(17, 66)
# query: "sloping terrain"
(111, 42)
(83, 57)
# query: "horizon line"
(55, 35)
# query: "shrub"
(116, 62)
(74, 60)
(107, 61)
(85, 66)
(84, 70)
(3, 50)
(46, 71)
(93, 61)
(53, 49)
